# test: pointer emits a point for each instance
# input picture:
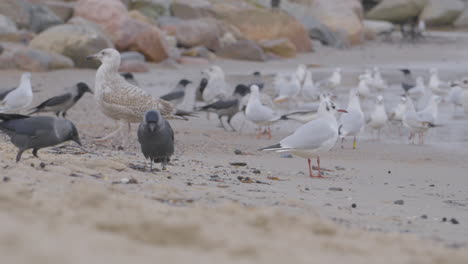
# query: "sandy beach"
(70, 206)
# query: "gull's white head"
(327, 106)
(213, 72)
(433, 71)
(107, 57)
(403, 99)
(26, 76)
(379, 99)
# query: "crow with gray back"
(62, 103)
(37, 132)
(156, 138)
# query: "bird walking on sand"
(408, 80)
(415, 122)
(122, 101)
(156, 138)
(216, 87)
(378, 82)
(378, 118)
(19, 98)
(259, 114)
(60, 104)
(332, 82)
(37, 132)
(312, 138)
(352, 123)
(309, 91)
(287, 87)
(435, 84)
(177, 95)
(455, 97)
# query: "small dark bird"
(156, 138)
(128, 76)
(62, 103)
(408, 82)
(275, 4)
(258, 80)
(199, 92)
(37, 132)
(176, 96)
(227, 107)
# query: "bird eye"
(333, 107)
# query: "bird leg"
(354, 143)
(229, 123)
(126, 136)
(311, 174)
(342, 142)
(221, 123)
(151, 165)
(34, 152)
(319, 175)
(269, 132)
(259, 134)
(18, 156)
(111, 135)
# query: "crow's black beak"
(77, 140)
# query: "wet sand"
(71, 210)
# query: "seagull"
(408, 81)
(60, 104)
(309, 92)
(435, 84)
(363, 87)
(415, 122)
(216, 87)
(258, 80)
(312, 138)
(19, 98)
(176, 96)
(378, 82)
(227, 107)
(397, 115)
(156, 138)
(418, 92)
(455, 97)
(352, 123)
(332, 82)
(121, 100)
(37, 132)
(287, 87)
(378, 118)
(258, 113)
(301, 72)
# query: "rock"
(152, 9)
(75, 41)
(196, 32)
(281, 47)
(454, 221)
(441, 12)
(191, 9)
(262, 24)
(16, 10)
(462, 20)
(21, 36)
(396, 11)
(41, 18)
(137, 15)
(242, 50)
(133, 66)
(7, 25)
(377, 27)
(324, 34)
(24, 58)
(199, 51)
(64, 10)
(336, 189)
(192, 61)
(399, 202)
(126, 32)
(132, 56)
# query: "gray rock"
(7, 25)
(242, 50)
(336, 189)
(151, 8)
(16, 10)
(132, 56)
(396, 11)
(191, 9)
(62, 9)
(441, 12)
(399, 202)
(75, 41)
(462, 20)
(41, 18)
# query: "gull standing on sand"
(352, 123)
(287, 87)
(415, 123)
(435, 84)
(309, 92)
(332, 82)
(363, 87)
(156, 138)
(120, 100)
(60, 104)
(418, 92)
(36, 132)
(378, 82)
(455, 97)
(396, 116)
(177, 95)
(259, 114)
(312, 138)
(19, 98)
(216, 87)
(378, 118)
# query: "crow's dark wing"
(221, 104)
(56, 100)
(3, 94)
(28, 125)
(173, 96)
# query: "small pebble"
(169, 177)
(399, 202)
(353, 205)
(189, 183)
(307, 189)
(238, 164)
(286, 156)
(336, 189)
(444, 219)
(432, 185)
(238, 152)
(32, 165)
(256, 171)
(424, 216)
(6, 179)
(42, 165)
(389, 172)
(454, 221)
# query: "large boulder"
(279, 47)
(41, 18)
(191, 9)
(396, 11)
(441, 12)
(61, 8)
(7, 25)
(150, 8)
(75, 41)
(126, 32)
(462, 20)
(26, 58)
(17, 10)
(242, 50)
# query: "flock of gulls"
(297, 96)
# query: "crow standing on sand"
(60, 104)
(408, 82)
(156, 138)
(37, 132)
(177, 95)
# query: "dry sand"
(69, 210)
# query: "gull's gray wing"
(309, 136)
(3, 94)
